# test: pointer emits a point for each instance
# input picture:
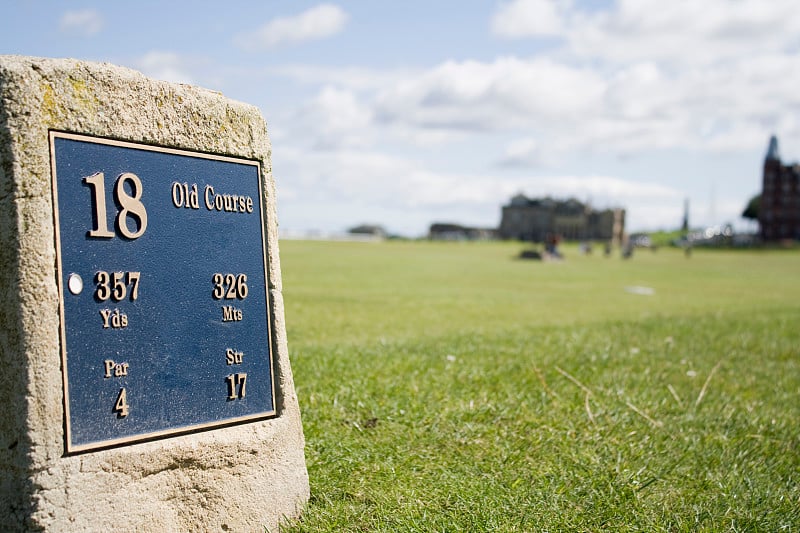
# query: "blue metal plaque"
(161, 263)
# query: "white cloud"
(84, 23)
(375, 178)
(635, 30)
(527, 18)
(166, 66)
(356, 78)
(609, 189)
(567, 108)
(685, 32)
(337, 118)
(561, 107)
(525, 152)
(353, 179)
(713, 75)
(635, 77)
(320, 22)
(479, 96)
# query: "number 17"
(233, 380)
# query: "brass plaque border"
(183, 430)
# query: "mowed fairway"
(452, 387)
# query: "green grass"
(452, 387)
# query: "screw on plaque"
(75, 283)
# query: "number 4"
(121, 406)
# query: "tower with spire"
(685, 225)
(772, 151)
(779, 210)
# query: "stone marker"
(144, 375)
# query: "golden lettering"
(133, 280)
(105, 313)
(209, 190)
(229, 203)
(178, 196)
(114, 319)
(115, 285)
(233, 380)
(185, 196)
(230, 281)
(121, 405)
(231, 314)
(103, 291)
(232, 357)
(98, 185)
(115, 369)
(219, 292)
(229, 286)
(131, 206)
(120, 290)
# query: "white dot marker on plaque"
(75, 283)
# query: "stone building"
(444, 231)
(534, 219)
(368, 230)
(779, 210)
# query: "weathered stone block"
(238, 478)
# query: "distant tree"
(751, 211)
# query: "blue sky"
(408, 113)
